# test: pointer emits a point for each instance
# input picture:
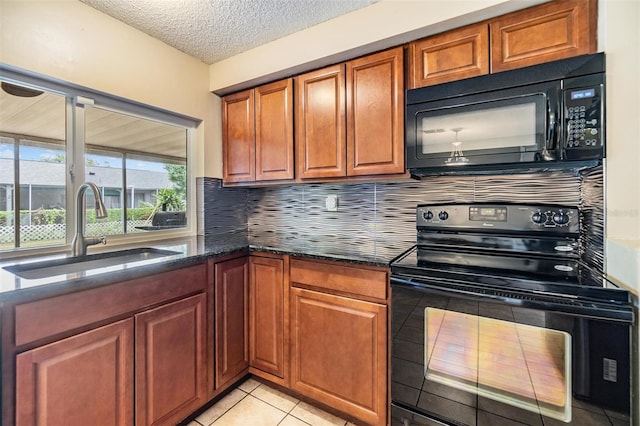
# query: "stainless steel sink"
(69, 265)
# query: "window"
(134, 164)
(53, 138)
(32, 167)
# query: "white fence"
(54, 232)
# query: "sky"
(32, 153)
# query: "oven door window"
(502, 126)
(466, 360)
(520, 365)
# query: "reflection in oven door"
(461, 361)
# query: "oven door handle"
(545, 301)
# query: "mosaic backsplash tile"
(223, 212)
(378, 219)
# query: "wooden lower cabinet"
(269, 300)
(339, 353)
(86, 379)
(170, 361)
(231, 290)
(146, 366)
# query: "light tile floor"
(255, 404)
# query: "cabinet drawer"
(348, 280)
(48, 317)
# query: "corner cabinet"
(269, 310)
(350, 118)
(231, 291)
(339, 327)
(257, 133)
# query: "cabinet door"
(548, 32)
(274, 131)
(321, 137)
(339, 353)
(84, 379)
(232, 319)
(267, 315)
(453, 55)
(238, 137)
(375, 114)
(171, 370)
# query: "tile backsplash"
(377, 220)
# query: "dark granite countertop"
(356, 259)
(189, 251)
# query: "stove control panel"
(499, 217)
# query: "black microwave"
(548, 115)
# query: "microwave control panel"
(583, 117)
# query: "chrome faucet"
(80, 242)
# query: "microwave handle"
(552, 123)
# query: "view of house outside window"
(138, 164)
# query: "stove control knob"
(538, 218)
(561, 218)
(443, 215)
(428, 215)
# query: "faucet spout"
(80, 241)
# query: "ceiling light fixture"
(23, 92)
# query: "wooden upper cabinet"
(350, 118)
(257, 133)
(555, 30)
(375, 114)
(321, 139)
(238, 137)
(548, 32)
(453, 55)
(274, 130)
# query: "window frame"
(78, 98)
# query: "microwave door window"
(495, 127)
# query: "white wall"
(75, 43)
(619, 37)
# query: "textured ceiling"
(212, 30)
